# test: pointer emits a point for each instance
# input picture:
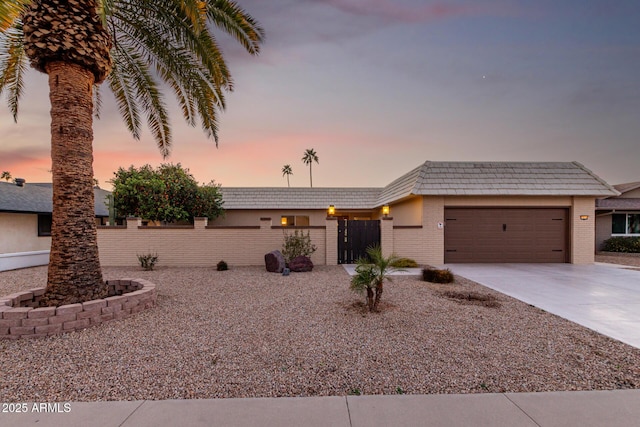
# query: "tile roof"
(618, 203)
(629, 186)
(37, 198)
(298, 197)
(497, 178)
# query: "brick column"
(386, 236)
(331, 240)
(583, 231)
(265, 223)
(200, 222)
(133, 222)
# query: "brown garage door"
(505, 235)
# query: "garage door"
(505, 235)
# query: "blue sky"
(377, 87)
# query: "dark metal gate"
(354, 237)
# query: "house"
(25, 222)
(450, 212)
(618, 215)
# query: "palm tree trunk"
(288, 185)
(370, 298)
(378, 296)
(74, 267)
(310, 176)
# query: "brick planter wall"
(20, 316)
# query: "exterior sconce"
(584, 217)
(385, 210)
(283, 220)
(332, 210)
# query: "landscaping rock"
(301, 264)
(274, 262)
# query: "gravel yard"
(249, 333)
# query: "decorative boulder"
(274, 262)
(301, 264)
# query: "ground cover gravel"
(249, 333)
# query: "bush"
(622, 244)
(435, 275)
(404, 263)
(222, 266)
(148, 261)
(297, 244)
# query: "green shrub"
(435, 275)
(404, 263)
(622, 244)
(222, 266)
(297, 244)
(148, 261)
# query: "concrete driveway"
(604, 298)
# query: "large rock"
(274, 261)
(300, 264)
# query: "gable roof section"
(626, 187)
(497, 178)
(37, 198)
(298, 197)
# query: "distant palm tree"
(309, 157)
(6, 175)
(286, 170)
(139, 47)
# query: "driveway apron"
(603, 298)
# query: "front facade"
(619, 215)
(452, 212)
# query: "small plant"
(405, 263)
(371, 273)
(297, 244)
(622, 244)
(435, 275)
(222, 266)
(399, 390)
(148, 261)
(355, 392)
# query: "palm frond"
(236, 22)
(10, 11)
(13, 66)
(97, 101)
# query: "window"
(625, 224)
(290, 220)
(44, 224)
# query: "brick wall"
(199, 245)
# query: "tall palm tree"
(286, 170)
(6, 175)
(309, 157)
(134, 45)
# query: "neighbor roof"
(37, 198)
(497, 178)
(298, 198)
(619, 203)
(626, 187)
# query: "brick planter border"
(21, 316)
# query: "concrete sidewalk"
(586, 408)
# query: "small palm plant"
(371, 273)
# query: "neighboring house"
(25, 222)
(618, 215)
(449, 212)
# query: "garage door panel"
(506, 235)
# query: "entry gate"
(354, 237)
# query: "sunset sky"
(377, 87)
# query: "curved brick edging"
(19, 317)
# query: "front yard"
(249, 333)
